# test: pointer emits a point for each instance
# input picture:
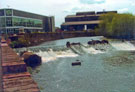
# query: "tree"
(117, 25)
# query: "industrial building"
(15, 21)
(83, 21)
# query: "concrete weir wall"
(15, 77)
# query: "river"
(104, 68)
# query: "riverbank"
(33, 39)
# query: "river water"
(105, 68)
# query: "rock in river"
(31, 60)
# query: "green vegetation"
(29, 69)
(14, 44)
(121, 26)
(21, 42)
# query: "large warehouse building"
(83, 21)
(15, 21)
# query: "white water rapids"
(53, 55)
(59, 50)
(123, 45)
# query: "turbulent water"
(105, 67)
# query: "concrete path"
(1, 88)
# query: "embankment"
(33, 39)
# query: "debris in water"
(76, 63)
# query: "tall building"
(83, 21)
(15, 21)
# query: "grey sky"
(61, 8)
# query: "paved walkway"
(1, 88)
(13, 73)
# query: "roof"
(24, 11)
(72, 16)
(84, 14)
(81, 22)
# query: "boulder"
(31, 60)
(68, 44)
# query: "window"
(8, 21)
(1, 12)
(2, 22)
(8, 12)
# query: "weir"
(14, 76)
(54, 48)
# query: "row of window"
(11, 21)
(79, 27)
(8, 12)
(26, 22)
(12, 31)
(87, 18)
(16, 30)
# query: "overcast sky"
(61, 8)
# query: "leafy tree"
(117, 25)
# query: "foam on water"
(76, 49)
(123, 45)
(91, 50)
(67, 53)
(74, 52)
(53, 55)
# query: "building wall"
(27, 14)
(82, 18)
(85, 13)
(15, 21)
(51, 24)
(83, 21)
(104, 12)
